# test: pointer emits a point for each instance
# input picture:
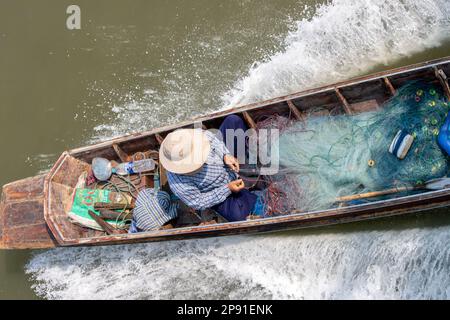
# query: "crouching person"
(203, 173)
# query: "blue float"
(443, 137)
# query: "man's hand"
(236, 185)
(231, 162)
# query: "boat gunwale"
(335, 213)
(198, 230)
(257, 105)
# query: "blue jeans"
(238, 205)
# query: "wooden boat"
(33, 211)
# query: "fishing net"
(332, 156)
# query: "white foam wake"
(381, 264)
(342, 40)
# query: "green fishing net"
(341, 155)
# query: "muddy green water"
(138, 64)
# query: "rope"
(127, 186)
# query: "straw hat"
(184, 150)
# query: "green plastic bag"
(83, 202)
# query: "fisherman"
(204, 174)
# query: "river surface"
(139, 64)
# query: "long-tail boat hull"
(33, 211)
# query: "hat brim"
(198, 157)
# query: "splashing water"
(342, 39)
(365, 265)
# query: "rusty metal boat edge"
(31, 210)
